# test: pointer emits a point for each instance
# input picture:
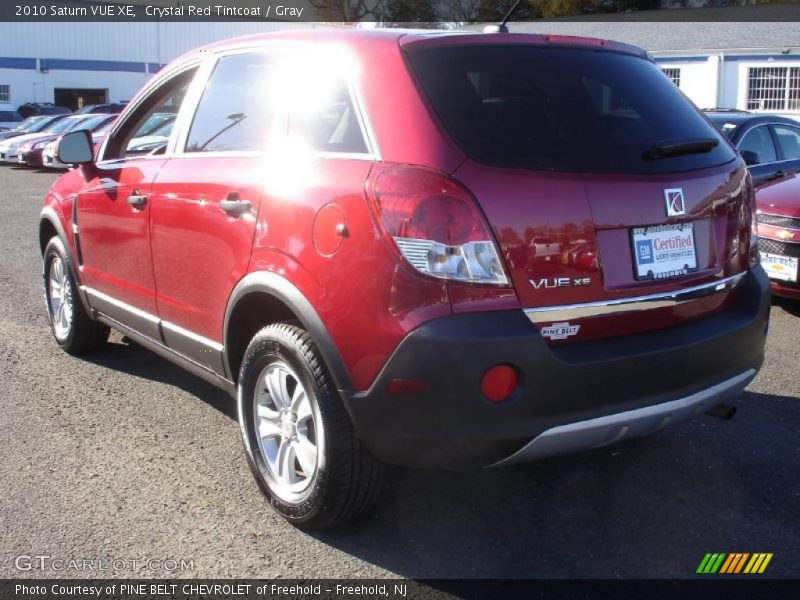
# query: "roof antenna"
(501, 27)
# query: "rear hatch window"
(564, 109)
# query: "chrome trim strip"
(194, 347)
(144, 315)
(547, 314)
(760, 212)
(199, 339)
(595, 433)
(171, 355)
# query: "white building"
(745, 66)
(73, 64)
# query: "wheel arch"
(280, 301)
(50, 225)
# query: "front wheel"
(300, 443)
(73, 328)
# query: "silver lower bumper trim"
(594, 433)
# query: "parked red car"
(337, 233)
(30, 153)
(779, 234)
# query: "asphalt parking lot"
(121, 454)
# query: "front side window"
(788, 141)
(5, 93)
(235, 112)
(160, 107)
(759, 141)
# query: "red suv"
(342, 232)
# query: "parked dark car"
(30, 125)
(769, 144)
(9, 117)
(31, 109)
(114, 108)
(337, 254)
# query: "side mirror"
(750, 157)
(75, 148)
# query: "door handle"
(780, 173)
(137, 201)
(234, 206)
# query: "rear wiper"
(667, 148)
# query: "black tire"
(348, 479)
(83, 334)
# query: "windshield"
(32, 124)
(62, 125)
(725, 127)
(93, 122)
(154, 122)
(164, 130)
(564, 109)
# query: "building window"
(674, 74)
(5, 93)
(773, 88)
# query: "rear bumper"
(570, 397)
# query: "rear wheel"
(301, 445)
(72, 327)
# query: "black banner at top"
(418, 12)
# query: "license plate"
(662, 251)
(779, 267)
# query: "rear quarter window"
(561, 109)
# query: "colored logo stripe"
(735, 562)
(758, 563)
(716, 562)
(710, 563)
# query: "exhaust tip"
(722, 411)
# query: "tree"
(408, 13)
(344, 10)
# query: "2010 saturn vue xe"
(341, 230)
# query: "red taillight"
(498, 383)
(422, 204)
(753, 257)
(435, 224)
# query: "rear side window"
(562, 109)
(234, 113)
(329, 124)
(789, 141)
